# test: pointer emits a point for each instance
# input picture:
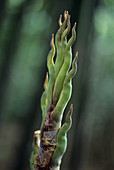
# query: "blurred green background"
(25, 33)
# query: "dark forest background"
(25, 33)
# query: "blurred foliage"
(23, 81)
(99, 109)
(25, 32)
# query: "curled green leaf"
(50, 65)
(44, 100)
(65, 67)
(62, 139)
(65, 94)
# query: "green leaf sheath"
(62, 139)
(67, 54)
(65, 94)
(50, 65)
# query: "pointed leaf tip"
(69, 114)
(69, 16)
(46, 81)
(52, 40)
(60, 22)
(74, 27)
(71, 108)
(76, 56)
(65, 14)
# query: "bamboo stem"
(50, 142)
